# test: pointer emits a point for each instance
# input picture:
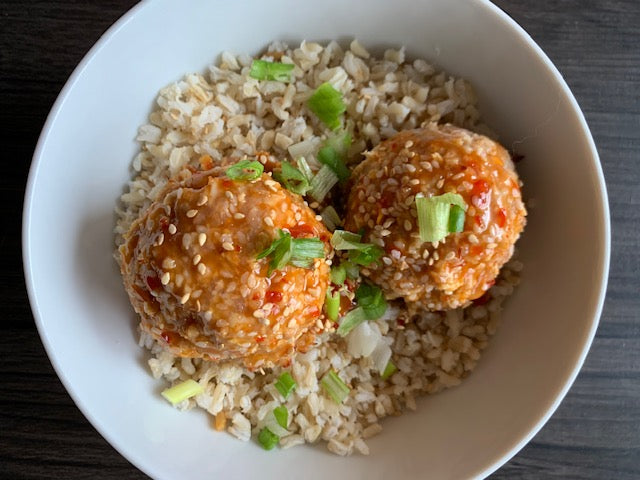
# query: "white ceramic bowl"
(81, 165)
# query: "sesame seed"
(202, 269)
(202, 200)
(238, 216)
(265, 321)
(168, 263)
(202, 237)
(198, 305)
(208, 315)
(387, 260)
(196, 294)
(436, 255)
(473, 239)
(414, 181)
(268, 221)
(192, 213)
(196, 259)
(185, 298)
(172, 229)
(408, 225)
(450, 256)
(430, 261)
(258, 313)
(161, 239)
(227, 246)
(165, 278)
(408, 144)
(440, 183)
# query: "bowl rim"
(603, 263)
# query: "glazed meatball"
(433, 161)
(190, 269)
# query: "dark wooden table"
(595, 434)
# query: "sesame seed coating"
(219, 302)
(433, 161)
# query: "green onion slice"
(182, 391)
(303, 166)
(340, 143)
(351, 320)
(263, 70)
(389, 370)
(338, 274)
(267, 439)
(282, 416)
(331, 218)
(292, 179)
(434, 215)
(326, 102)
(298, 252)
(372, 301)
(285, 385)
(334, 386)
(245, 170)
(456, 219)
(322, 183)
(344, 240)
(332, 304)
(353, 271)
(367, 255)
(329, 157)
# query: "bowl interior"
(81, 166)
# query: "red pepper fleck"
(301, 230)
(480, 187)
(501, 217)
(165, 336)
(260, 339)
(226, 182)
(401, 321)
(153, 282)
(387, 199)
(255, 296)
(273, 297)
(164, 223)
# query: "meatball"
(190, 269)
(433, 161)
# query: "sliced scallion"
(330, 218)
(367, 255)
(285, 384)
(332, 305)
(263, 70)
(456, 219)
(334, 386)
(267, 439)
(245, 170)
(353, 271)
(340, 142)
(326, 102)
(434, 215)
(292, 179)
(389, 370)
(338, 274)
(344, 240)
(282, 416)
(330, 157)
(322, 183)
(182, 391)
(372, 301)
(351, 320)
(303, 166)
(298, 252)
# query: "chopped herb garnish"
(322, 183)
(263, 70)
(330, 218)
(338, 274)
(292, 179)
(182, 391)
(360, 253)
(344, 240)
(329, 157)
(372, 301)
(334, 386)
(367, 255)
(285, 385)
(332, 304)
(245, 170)
(434, 216)
(326, 102)
(389, 370)
(298, 252)
(267, 439)
(351, 320)
(282, 416)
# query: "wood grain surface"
(595, 434)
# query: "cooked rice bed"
(229, 114)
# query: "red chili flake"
(165, 336)
(387, 199)
(260, 339)
(401, 321)
(273, 297)
(480, 187)
(227, 182)
(314, 312)
(153, 282)
(164, 223)
(501, 217)
(255, 296)
(237, 247)
(300, 230)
